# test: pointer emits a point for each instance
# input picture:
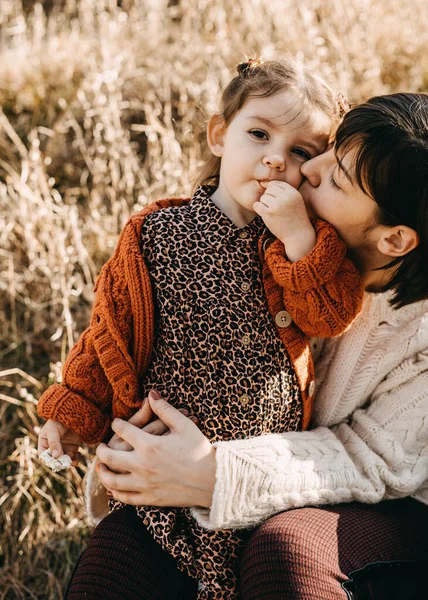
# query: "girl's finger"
(260, 208)
(70, 448)
(42, 444)
(55, 443)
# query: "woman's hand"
(177, 469)
(140, 419)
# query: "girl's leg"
(307, 553)
(123, 562)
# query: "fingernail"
(184, 411)
(55, 454)
(155, 395)
(194, 419)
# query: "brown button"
(244, 399)
(243, 235)
(268, 241)
(311, 389)
(246, 340)
(245, 286)
(283, 319)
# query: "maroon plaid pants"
(348, 551)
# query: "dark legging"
(123, 562)
(302, 554)
(307, 553)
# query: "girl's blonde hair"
(263, 79)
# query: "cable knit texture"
(369, 440)
(100, 377)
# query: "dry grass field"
(101, 102)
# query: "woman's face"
(331, 194)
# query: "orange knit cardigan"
(318, 296)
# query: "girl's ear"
(397, 241)
(216, 131)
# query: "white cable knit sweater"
(369, 440)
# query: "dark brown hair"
(389, 135)
(264, 79)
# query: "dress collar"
(213, 222)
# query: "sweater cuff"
(75, 412)
(245, 507)
(313, 270)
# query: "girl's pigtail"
(343, 105)
(244, 69)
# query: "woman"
(369, 440)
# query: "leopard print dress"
(216, 353)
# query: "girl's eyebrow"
(266, 121)
(263, 120)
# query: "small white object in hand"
(55, 464)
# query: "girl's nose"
(275, 161)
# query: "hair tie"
(342, 104)
(245, 68)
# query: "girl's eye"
(333, 183)
(303, 153)
(259, 134)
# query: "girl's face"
(331, 193)
(269, 138)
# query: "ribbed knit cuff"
(313, 270)
(75, 412)
(244, 507)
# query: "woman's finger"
(129, 433)
(116, 460)
(143, 416)
(133, 498)
(116, 481)
(157, 427)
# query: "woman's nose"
(312, 169)
(275, 161)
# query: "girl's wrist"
(300, 245)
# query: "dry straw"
(100, 104)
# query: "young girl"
(197, 300)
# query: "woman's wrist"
(206, 480)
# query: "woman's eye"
(303, 153)
(259, 134)
(333, 183)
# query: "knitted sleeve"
(82, 402)
(323, 292)
(380, 453)
(100, 368)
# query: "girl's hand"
(283, 211)
(60, 440)
(176, 469)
